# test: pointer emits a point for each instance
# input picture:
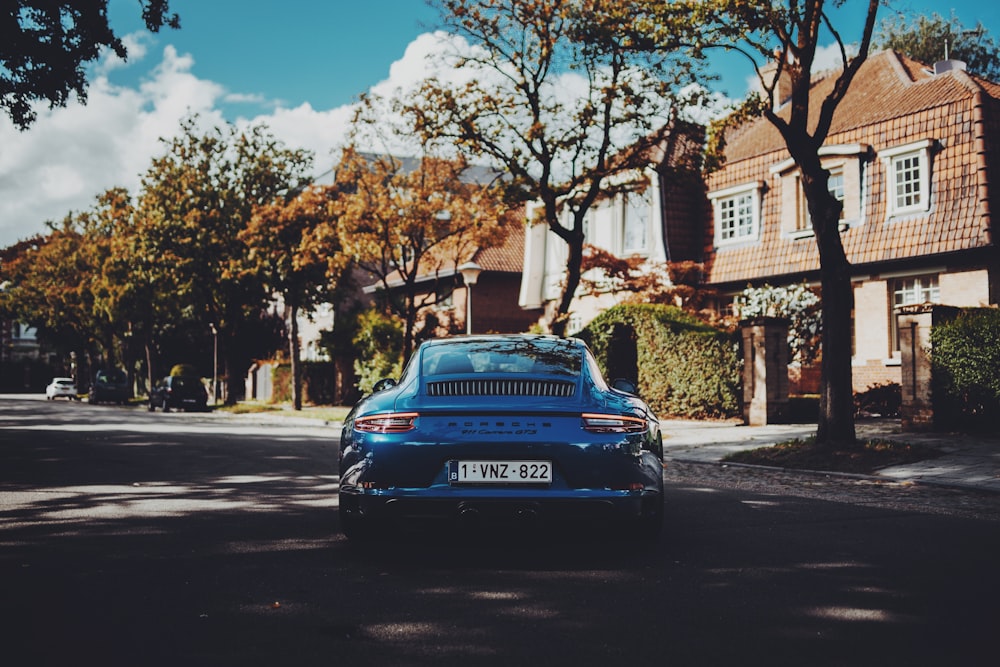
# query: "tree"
(933, 38)
(195, 200)
(678, 284)
(277, 238)
(789, 35)
(406, 221)
(134, 289)
(47, 287)
(46, 44)
(563, 96)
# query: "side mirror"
(626, 386)
(383, 384)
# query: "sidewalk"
(971, 462)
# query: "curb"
(845, 475)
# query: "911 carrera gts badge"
(486, 427)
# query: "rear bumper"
(473, 505)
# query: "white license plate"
(500, 472)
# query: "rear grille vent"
(500, 388)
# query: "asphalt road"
(130, 538)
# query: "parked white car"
(62, 387)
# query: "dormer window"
(908, 171)
(845, 164)
(736, 213)
(835, 184)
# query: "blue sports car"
(484, 430)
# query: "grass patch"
(803, 454)
(323, 412)
(249, 408)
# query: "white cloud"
(73, 154)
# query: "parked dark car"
(109, 386)
(179, 393)
(486, 430)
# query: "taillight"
(393, 422)
(597, 423)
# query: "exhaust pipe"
(527, 517)
(468, 517)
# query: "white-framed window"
(835, 184)
(911, 291)
(635, 226)
(736, 212)
(908, 172)
(845, 164)
(621, 224)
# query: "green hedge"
(318, 380)
(684, 367)
(965, 358)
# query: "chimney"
(942, 66)
(783, 88)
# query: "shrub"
(965, 358)
(799, 304)
(379, 346)
(281, 383)
(879, 399)
(317, 382)
(683, 367)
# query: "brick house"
(911, 153)
(495, 292)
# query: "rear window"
(542, 356)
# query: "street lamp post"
(470, 274)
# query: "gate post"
(914, 323)
(765, 370)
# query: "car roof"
(479, 338)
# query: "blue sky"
(296, 65)
(289, 52)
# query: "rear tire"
(355, 528)
(649, 526)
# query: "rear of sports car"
(477, 449)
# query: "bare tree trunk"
(836, 403)
(149, 365)
(294, 350)
(574, 260)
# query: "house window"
(836, 187)
(835, 184)
(574, 325)
(620, 225)
(737, 214)
(635, 229)
(908, 174)
(910, 292)
(444, 295)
